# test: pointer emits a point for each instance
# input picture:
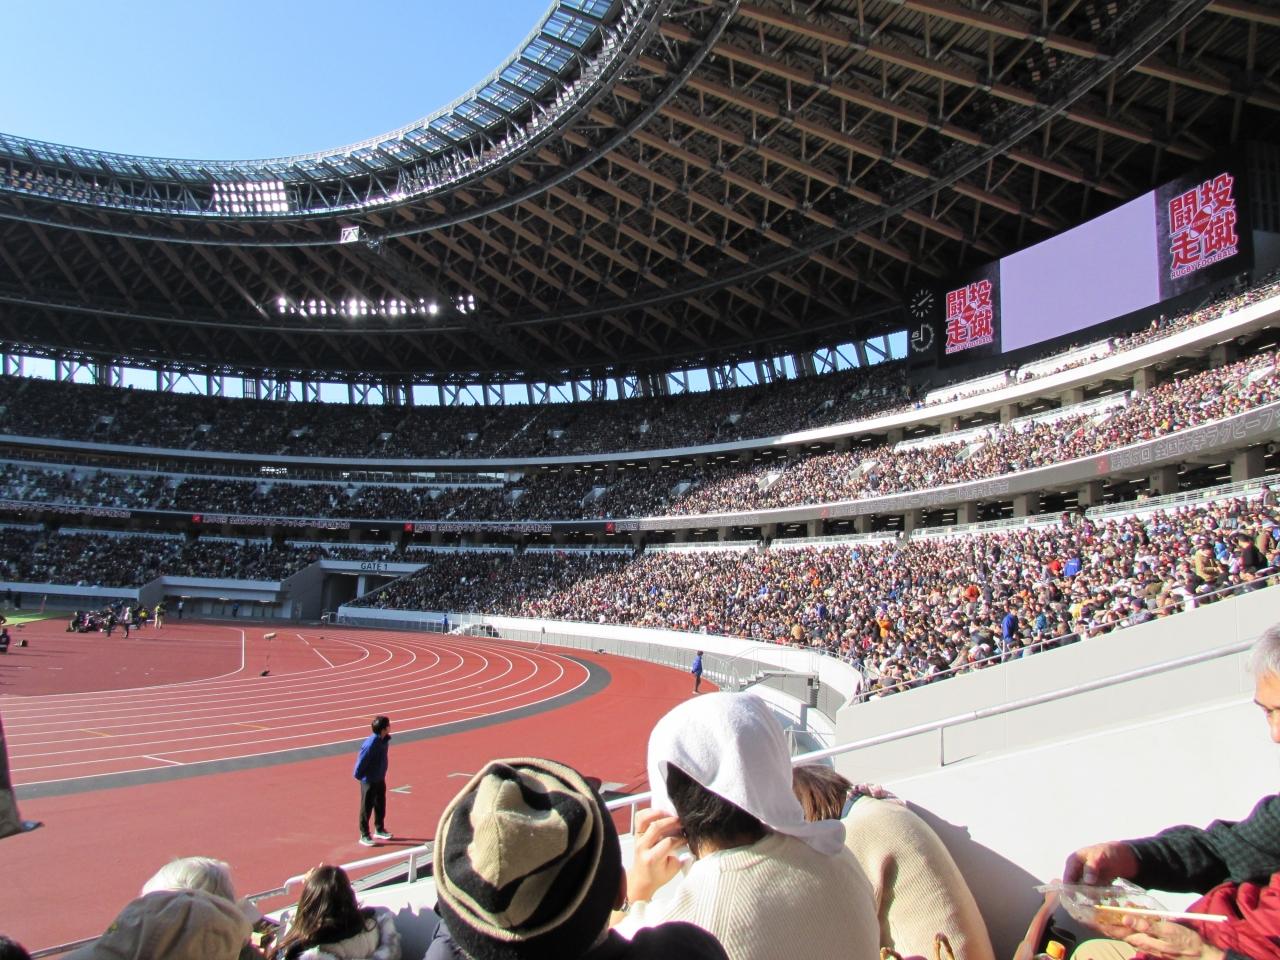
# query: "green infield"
(19, 617)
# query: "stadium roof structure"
(645, 185)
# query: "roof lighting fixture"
(251, 197)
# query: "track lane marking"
(176, 763)
(317, 652)
(399, 652)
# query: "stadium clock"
(921, 303)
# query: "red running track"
(332, 684)
(172, 743)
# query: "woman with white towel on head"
(760, 878)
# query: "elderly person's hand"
(659, 840)
(1100, 863)
(1172, 941)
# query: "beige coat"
(777, 899)
(919, 891)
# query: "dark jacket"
(666, 941)
(1196, 859)
(371, 764)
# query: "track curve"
(430, 684)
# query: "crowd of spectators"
(30, 407)
(1184, 402)
(145, 418)
(81, 487)
(108, 560)
(688, 488)
(903, 612)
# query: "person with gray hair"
(193, 873)
(1195, 859)
(213, 877)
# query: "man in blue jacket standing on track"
(371, 771)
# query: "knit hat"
(527, 863)
(733, 745)
(172, 925)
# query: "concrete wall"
(836, 674)
(304, 591)
(1013, 795)
(58, 596)
(1206, 628)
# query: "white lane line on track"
(176, 763)
(250, 698)
(456, 707)
(318, 653)
(504, 654)
(262, 753)
(196, 692)
(200, 687)
(319, 684)
(64, 697)
(233, 688)
(275, 713)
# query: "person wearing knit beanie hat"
(172, 925)
(528, 867)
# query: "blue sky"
(236, 79)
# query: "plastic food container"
(1105, 904)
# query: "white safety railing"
(1181, 498)
(710, 545)
(985, 526)
(795, 543)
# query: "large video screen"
(1157, 246)
(1100, 270)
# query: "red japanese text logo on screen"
(1202, 226)
(970, 318)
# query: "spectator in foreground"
(211, 876)
(171, 925)
(12, 950)
(720, 774)
(527, 865)
(919, 891)
(1236, 866)
(329, 924)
